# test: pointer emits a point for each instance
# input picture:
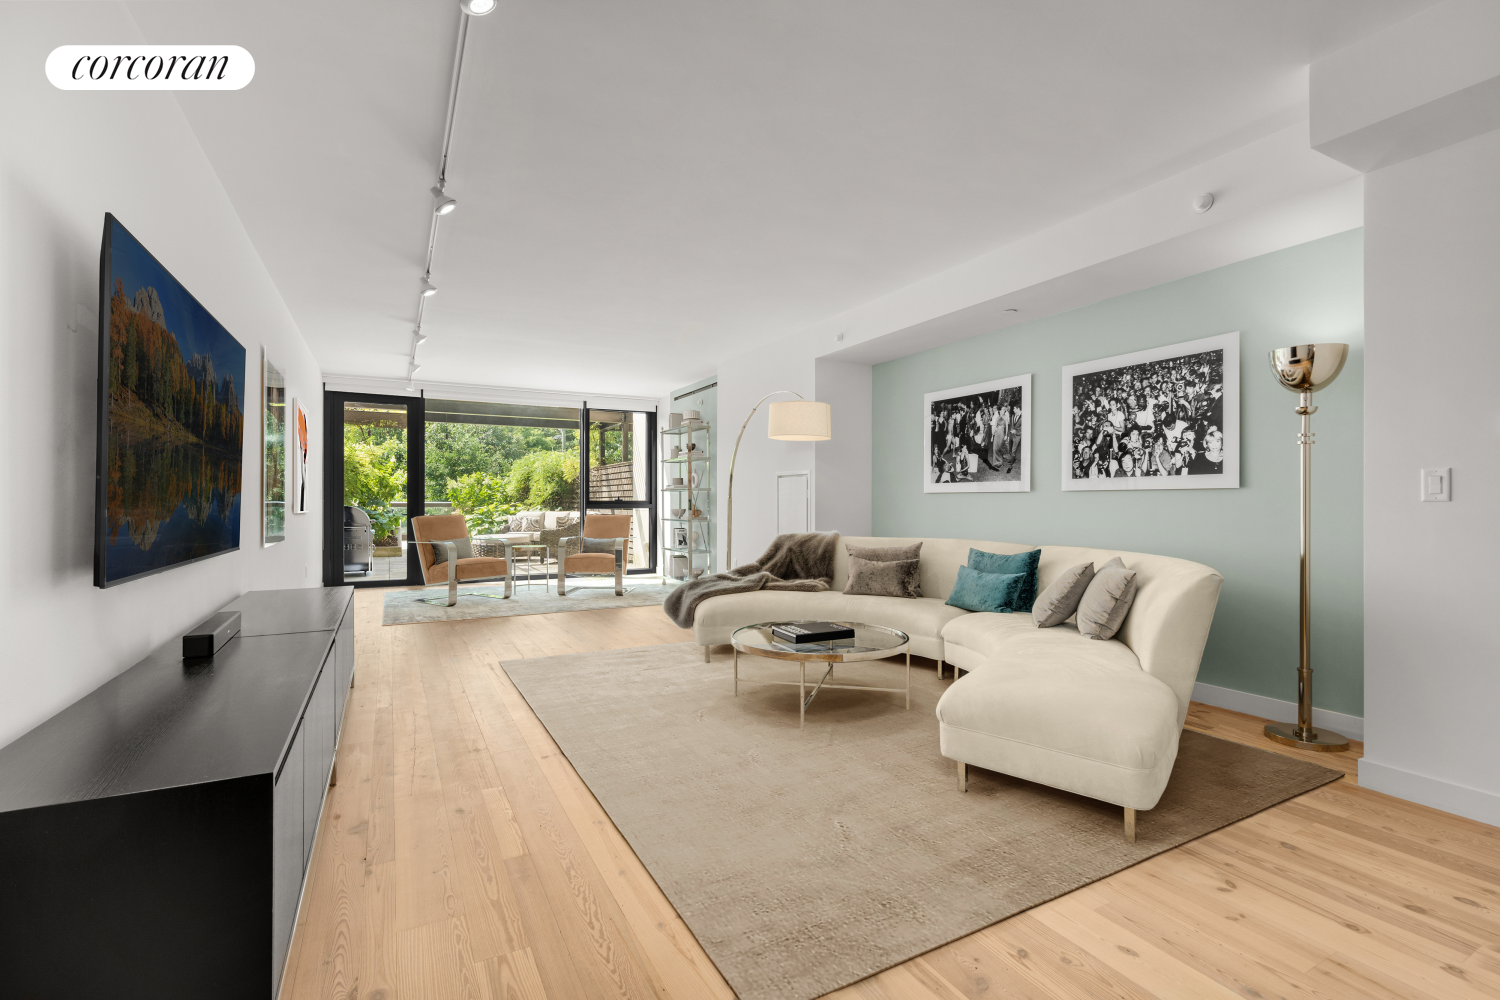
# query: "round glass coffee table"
(870, 642)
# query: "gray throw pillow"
(889, 553)
(465, 550)
(1058, 602)
(598, 544)
(892, 578)
(1106, 601)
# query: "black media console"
(154, 836)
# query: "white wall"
(743, 380)
(845, 461)
(1432, 329)
(1418, 105)
(66, 159)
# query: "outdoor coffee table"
(870, 642)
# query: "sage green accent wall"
(1308, 293)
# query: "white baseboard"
(1352, 726)
(1460, 800)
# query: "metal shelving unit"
(686, 562)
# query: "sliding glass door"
(510, 469)
(373, 450)
(619, 462)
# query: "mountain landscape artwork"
(175, 421)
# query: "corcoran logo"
(150, 67)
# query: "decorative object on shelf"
(273, 448)
(301, 439)
(1163, 419)
(691, 417)
(676, 450)
(789, 420)
(1306, 369)
(978, 438)
(674, 420)
(676, 480)
(679, 538)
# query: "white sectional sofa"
(1100, 718)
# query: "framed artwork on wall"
(977, 438)
(300, 463)
(1163, 419)
(273, 444)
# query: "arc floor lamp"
(790, 420)
(1305, 369)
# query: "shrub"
(544, 480)
(375, 477)
(480, 498)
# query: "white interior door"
(793, 507)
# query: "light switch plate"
(1437, 485)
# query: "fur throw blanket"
(793, 562)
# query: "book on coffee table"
(800, 632)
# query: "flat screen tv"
(171, 420)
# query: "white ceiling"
(645, 188)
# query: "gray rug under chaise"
(806, 860)
(407, 607)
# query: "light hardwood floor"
(462, 857)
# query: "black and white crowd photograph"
(978, 438)
(1161, 419)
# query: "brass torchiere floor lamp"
(791, 420)
(1304, 370)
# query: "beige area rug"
(804, 860)
(407, 607)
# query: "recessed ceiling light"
(443, 204)
(1203, 202)
(428, 288)
(478, 8)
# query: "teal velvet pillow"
(1021, 562)
(976, 591)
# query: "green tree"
(480, 498)
(544, 480)
(455, 451)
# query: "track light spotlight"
(415, 368)
(421, 337)
(443, 204)
(428, 288)
(478, 8)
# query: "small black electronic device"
(798, 632)
(209, 637)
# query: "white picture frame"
(273, 452)
(1115, 413)
(977, 438)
